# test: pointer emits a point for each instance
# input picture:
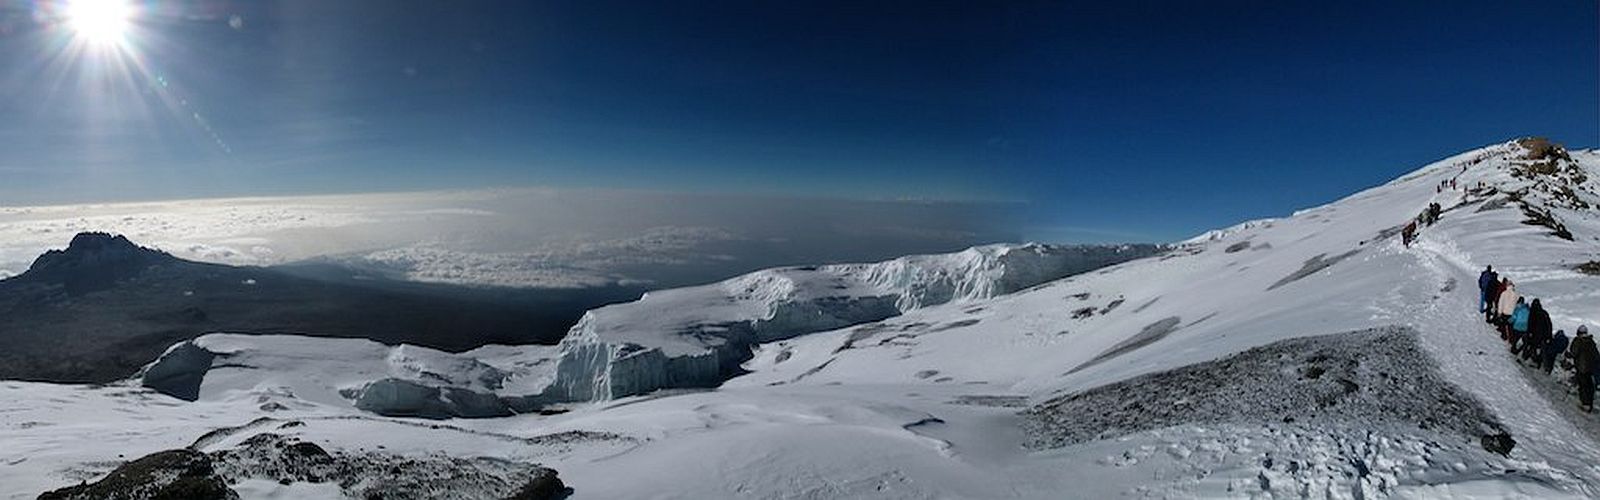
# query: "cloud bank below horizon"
(535, 238)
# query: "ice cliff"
(698, 336)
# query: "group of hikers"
(1428, 216)
(1526, 327)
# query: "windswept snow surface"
(935, 403)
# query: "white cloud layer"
(523, 238)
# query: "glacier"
(698, 336)
(280, 371)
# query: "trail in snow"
(1456, 336)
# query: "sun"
(100, 22)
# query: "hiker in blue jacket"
(1519, 322)
(1486, 282)
(1553, 350)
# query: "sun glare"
(101, 22)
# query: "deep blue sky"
(1106, 120)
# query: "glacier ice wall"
(699, 336)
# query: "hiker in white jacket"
(1505, 306)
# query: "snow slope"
(1335, 268)
(1143, 379)
(697, 336)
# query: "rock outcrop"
(171, 474)
(193, 475)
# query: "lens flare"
(100, 22)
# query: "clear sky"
(1104, 120)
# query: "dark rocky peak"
(95, 260)
(97, 250)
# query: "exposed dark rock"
(1543, 217)
(1146, 336)
(1112, 306)
(545, 485)
(1312, 266)
(1377, 377)
(1500, 443)
(956, 324)
(1542, 148)
(165, 475)
(362, 474)
(1591, 268)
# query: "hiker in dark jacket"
(1584, 357)
(1486, 282)
(1538, 333)
(1491, 316)
(1553, 350)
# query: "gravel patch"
(1379, 376)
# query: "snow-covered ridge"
(1224, 233)
(698, 336)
